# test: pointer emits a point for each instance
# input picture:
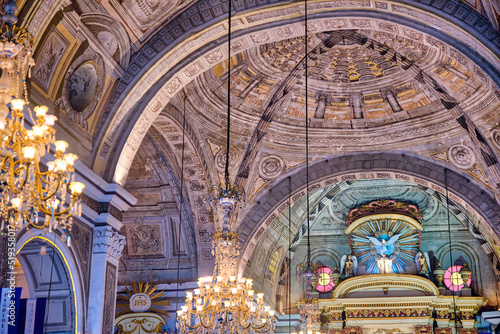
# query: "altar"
(387, 285)
(396, 303)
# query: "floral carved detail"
(214, 56)
(108, 241)
(408, 312)
(173, 85)
(442, 314)
(467, 315)
(420, 329)
(220, 159)
(384, 206)
(146, 237)
(446, 330)
(336, 24)
(260, 38)
(461, 156)
(271, 167)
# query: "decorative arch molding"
(153, 90)
(331, 253)
(72, 266)
(410, 168)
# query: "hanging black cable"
(181, 206)
(307, 144)
(226, 170)
(449, 240)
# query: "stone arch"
(474, 197)
(173, 78)
(330, 253)
(443, 254)
(71, 265)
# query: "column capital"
(108, 241)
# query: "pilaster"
(107, 250)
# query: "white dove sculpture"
(381, 246)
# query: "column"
(322, 101)
(107, 251)
(393, 101)
(357, 106)
(253, 83)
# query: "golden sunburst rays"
(158, 299)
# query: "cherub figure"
(422, 261)
(349, 263)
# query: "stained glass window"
(274, 262)
(325, 281)
(453, 280)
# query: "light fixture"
(308, 306)
(224, 303)
(30, 195)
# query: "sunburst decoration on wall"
(144, 291)
(385, 243)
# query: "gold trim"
(394, 216)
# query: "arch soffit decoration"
(71, 264)
(161, 86)
(413, 169)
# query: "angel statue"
(350, 264)
(422, 262)
(383, 246)
(384, 264)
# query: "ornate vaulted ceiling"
(396, 91)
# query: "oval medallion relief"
(82, 86)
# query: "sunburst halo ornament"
(142, 298)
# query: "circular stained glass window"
(325, 280)
(453, 280)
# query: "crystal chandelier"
(223, 303)
(31, 195)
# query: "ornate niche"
(385, 237)
(82, 88)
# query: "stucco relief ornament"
(271, 167)
(83, 87)
(461, 156)
(495, 136)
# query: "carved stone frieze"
(144, 239)
(48, 58)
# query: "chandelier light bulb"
(16, 202)
(61, 165)
(50, 120)
(38, 131)
(71, 158)
(41, 111)
(29, 152)
(76, 188)
(61, 146)
(17, 104)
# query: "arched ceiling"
(387, 77)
